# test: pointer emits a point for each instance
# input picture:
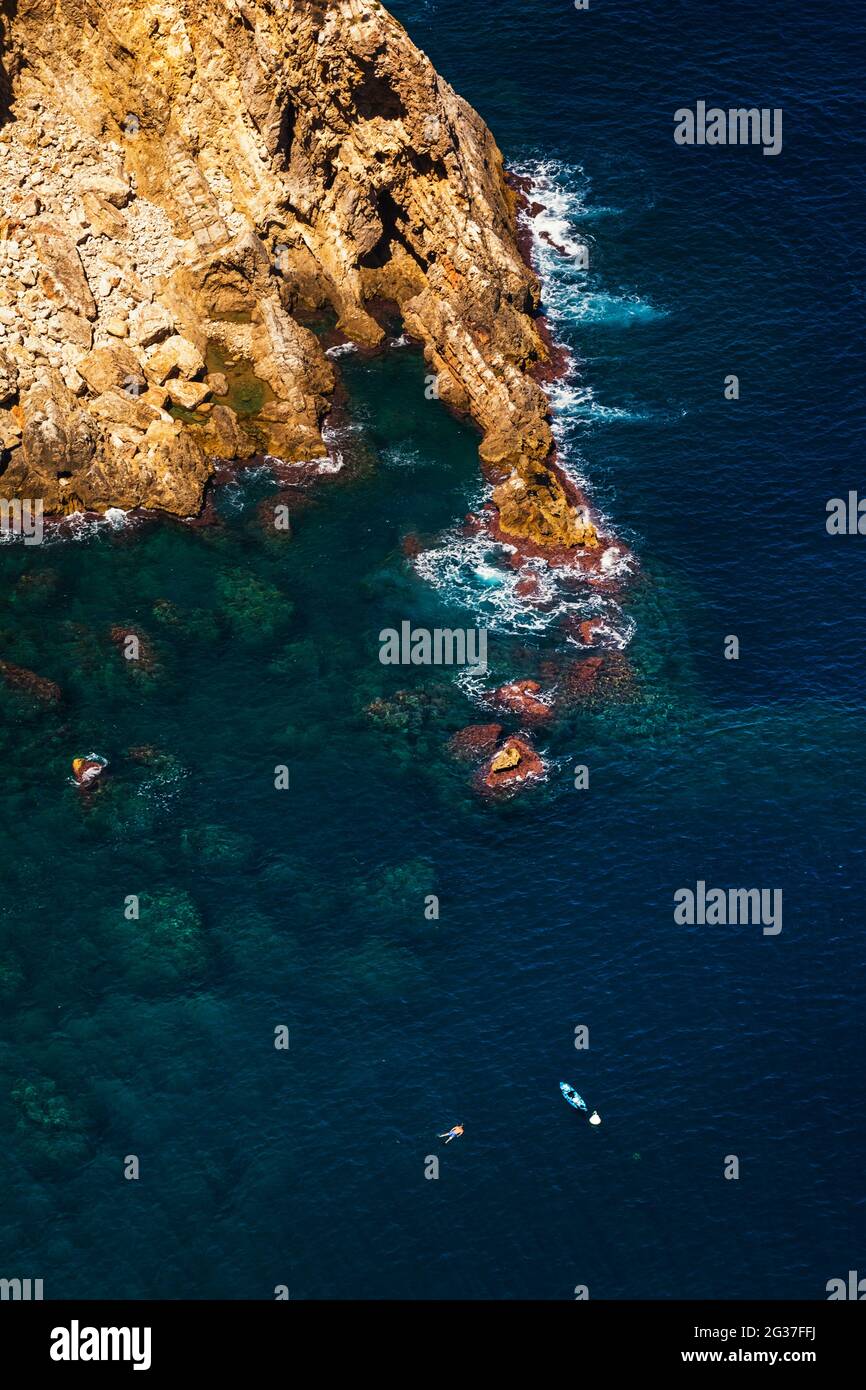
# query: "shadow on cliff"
(8, 11)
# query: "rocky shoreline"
(182, 184)
(188, 243)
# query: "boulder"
(177, 356)
(522, 698)
(61, 279)
(114, 366)
(188, 394)
(28, 683)
(150, 324)
(113, 190)
(512, 765)
(8, 377)
(104, 219)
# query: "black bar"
(232, 1337)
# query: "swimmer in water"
(452, 1134)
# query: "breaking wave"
(473, 572)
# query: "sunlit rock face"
(179, 182)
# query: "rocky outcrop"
(183, 180)
(522, 698)
(515, 763)
(88, 770)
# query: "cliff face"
(178, 179)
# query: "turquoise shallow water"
(304, 907)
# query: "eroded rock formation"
(179, 181)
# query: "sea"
(283, 944)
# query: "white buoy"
(595, 1118)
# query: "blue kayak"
(571, 1096)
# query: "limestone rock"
(103, 217)
(508, 758)
(111, 190)
(203, 173)
(188, 394)
(106, 367)
(61, 275)
(8, 377)
(176, 356)
(149, 324)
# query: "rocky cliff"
(181, 183)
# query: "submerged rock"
(25, 682)
(592, 681)
(51, 1127)
(36, 587)
(397, 894)
(380, 971)
(407, 710)
(475, 742)
(164, 949)
(522, 697)
(254, 609)
(196, 623)
(136, 649)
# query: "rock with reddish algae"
(595, 679)
(528, 585)
(522, 697)
(135, 647)
(475, 742)
(87, 770)
(26, 682)
(513, 764)
(590, 630)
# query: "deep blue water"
(307, 1168)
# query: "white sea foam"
(473, 572)
(79, 527)
(573, 403)
(252, 472)
(403, 456)
(341, 349)
(335, 437)
(332, 464)
(571, 292)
